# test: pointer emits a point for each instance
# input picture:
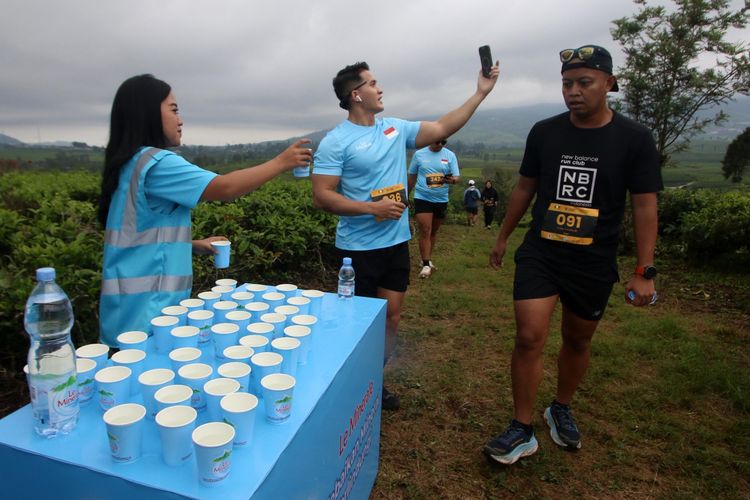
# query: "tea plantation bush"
(701, 224)
(49, 219)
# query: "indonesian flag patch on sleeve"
(444, 161)
(391, 133)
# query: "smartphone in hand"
(485, 56)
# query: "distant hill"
(508, 127)
(6, 140)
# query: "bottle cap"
(45, 274)
(347, 261)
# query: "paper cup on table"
(301, 303)
(239, 353)
(278, 390)
(134, 339)
(193, 304)
(307, 320)
(273, 299)
(221, 257)
(113, 386)
(289, 348)
(184, 356)
(173, 395)
(301, 333)
(238, 410)
(224, 291)
(257, 289)
(242, 298)
(216, 389)
(97, 352)
(224, 335)
(209, 299)
(240, 317)
(161, 326)
(179, 312)
(185, 336)
(202, 320)
(262, 364)
(133, 359)
(287, 289)
(277, 320)
(221, 308)
(288, 311)
(213, 451)
(316, 301)
(226, 282)
(260, 328)
(258, 343)
(176, 425)
(85, 370)
(238, 371)
(125, 431)
(150, 382)
(257, 308)
(195, 375)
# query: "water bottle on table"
(48, 319)
(346, 279)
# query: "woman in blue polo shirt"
(146, 199)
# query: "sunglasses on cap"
(582, 53)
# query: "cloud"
(251, 71)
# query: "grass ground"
(664, 409)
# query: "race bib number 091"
(570, 224)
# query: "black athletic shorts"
(381, 268)
(472, 210)
(541, 273)
(438, 210)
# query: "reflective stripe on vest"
(128, 236)
(130, 286)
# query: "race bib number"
(396, 192)
(435, 180)
(574, 225)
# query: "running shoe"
(511, 445)
(432, 266)
(425, 272)
(562, 426)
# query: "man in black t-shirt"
(579, 165)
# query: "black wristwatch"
(648, 272)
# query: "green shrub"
(720, 227)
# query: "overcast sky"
(249, 71)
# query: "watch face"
(649, 272)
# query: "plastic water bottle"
(346, 279)
(48, 319)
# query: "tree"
(667, 77)
(737, 157)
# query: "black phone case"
(485, 56)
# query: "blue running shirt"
(427, 163)
(366, 159)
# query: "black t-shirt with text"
(583, 176)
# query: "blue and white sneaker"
(562, 426)
(512, 444)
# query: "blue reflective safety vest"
(147, 255)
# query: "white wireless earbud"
(357, 98)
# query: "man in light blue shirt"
(360, 175)
(431, 170)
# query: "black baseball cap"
(588, 56)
